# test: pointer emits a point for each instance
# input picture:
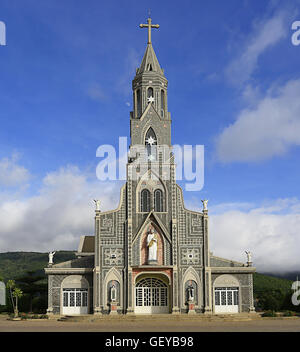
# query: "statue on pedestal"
(113, 293)
(152, 246)
(249, 257)
(191, 293)
(97, 204)
(204, 201)
(51, 255)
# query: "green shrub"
(269, 313)
(24, 316)
(288, 313)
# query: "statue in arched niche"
(190, 292)
(113, 292)
(152, 244)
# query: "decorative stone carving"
(190, 256)
(226, 280)
(113, 256)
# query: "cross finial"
(149, 26)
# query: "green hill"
(262, 283)
(15, 264)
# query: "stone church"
(151, 255)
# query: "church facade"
(151, 255)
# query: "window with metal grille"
(75, 297)
(66, 299)
(226, 296)
(151, 292)
(217, 298)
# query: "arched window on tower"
(150, 92)
(162, 103)
(151, 142)
(138, 103)
(145, 201)
(158, 200)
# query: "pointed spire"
(150, 62)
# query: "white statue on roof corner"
(51, 255)
(249, 257)
(97, 203)
(204, 201)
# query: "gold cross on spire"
(149, 25)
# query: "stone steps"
(168, 317)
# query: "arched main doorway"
(151, 296)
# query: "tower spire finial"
(149, 25)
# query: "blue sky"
(234, 86)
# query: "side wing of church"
(150, 255)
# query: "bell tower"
(150, 103)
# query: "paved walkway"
(152, 325)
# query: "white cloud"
(268, 129)
(63, 210)
(12, 174)
(266, 33)
(270, 232)
(58, 215)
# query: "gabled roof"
(86, 244)
(152, 217)
(150, 62)
(150, 107)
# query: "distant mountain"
(15, 264)
(291, 275)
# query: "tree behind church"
(32, 286)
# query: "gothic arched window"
(162, 103)
(145, 201)
(151, 142)
(158, 200)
